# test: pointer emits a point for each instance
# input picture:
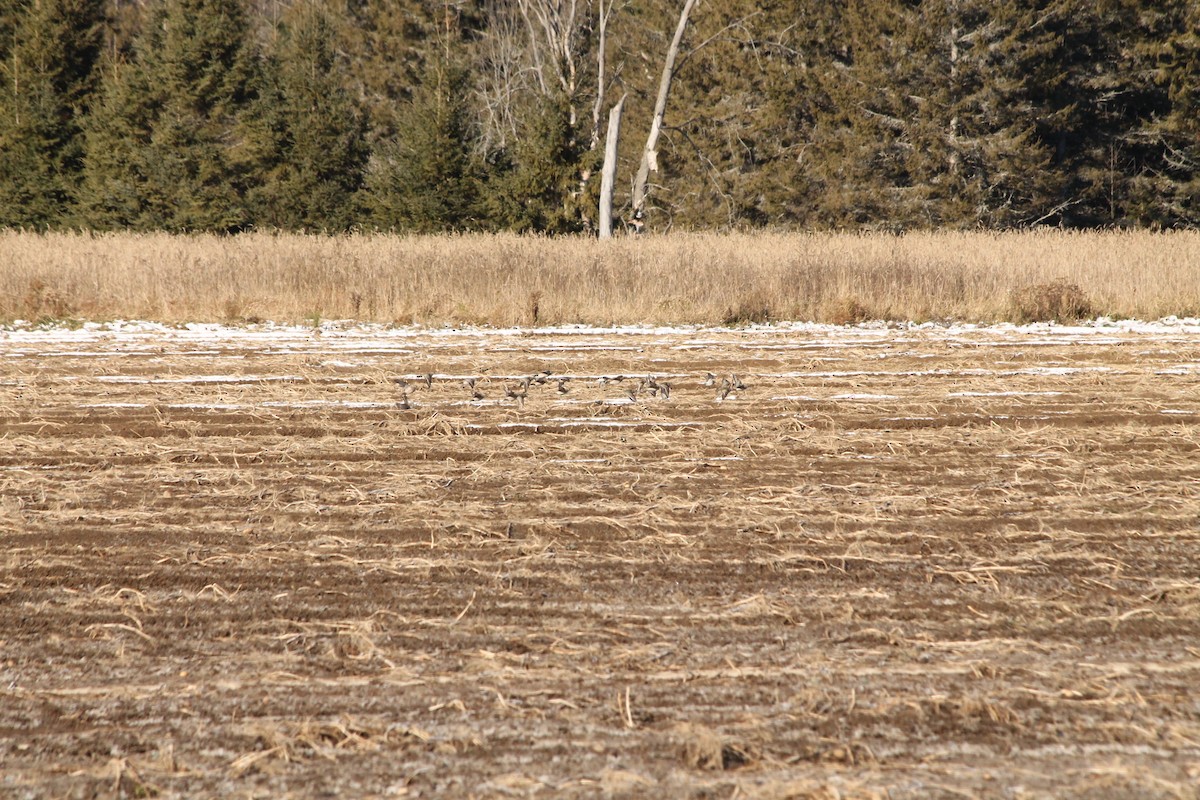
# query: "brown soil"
(901, 564)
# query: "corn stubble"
(892, 559)
(505, 280)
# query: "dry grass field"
(679, 279)
(902, 562)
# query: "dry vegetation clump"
(44, 302)
(509, 280)
(754, 309)
(847, 311)
(1057, 301)
(704, 749)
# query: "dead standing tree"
(534, 53)
(604, 13)
(649, 161)
(546, 60)
(608, 174)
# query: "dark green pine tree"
(740, 113)
(386, 46)
(935, 116)
(1128, 140)
(1092, 107)
(48, 77)
(857, 159)
(164, 149)
(531, 188)
(1165, 189)
(425, 179)
(10, 15)
(306, 133)
(977, 158)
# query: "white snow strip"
(610, 423)
(324, 403)
(338, 331)
(864, 397)
(114, 405)
(208, 406)
(135, 379)
(1004, 394)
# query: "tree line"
(459, 115)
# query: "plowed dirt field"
(901, 563)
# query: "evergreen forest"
(493, 115)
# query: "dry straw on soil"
(684, 278)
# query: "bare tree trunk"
(650, 153)
(601, 78)
(609, 173)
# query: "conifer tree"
(389, 46)
(10, 15)
(858, 131)
(1127, 144)
(1165, 189)
(306, 133)
(162, 146)
(531, 187)
(936, 117)
(744, 94)
(424, 179)
(48, 76)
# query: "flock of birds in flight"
(649, 385)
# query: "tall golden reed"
(521, 280)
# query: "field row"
(907, 562)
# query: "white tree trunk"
(601, 78)
(650, 153)
(609, 173)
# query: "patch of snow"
(864, 397)
(1004, 394)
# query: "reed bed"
(506, 280)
